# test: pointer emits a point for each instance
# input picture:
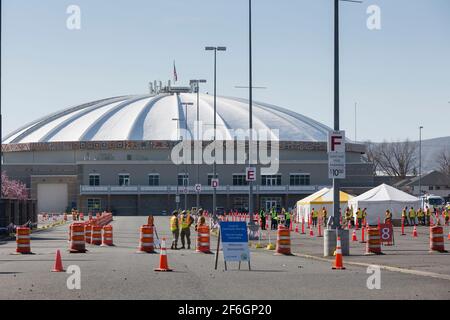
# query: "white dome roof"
(151, 118)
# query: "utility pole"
(215, 49)
(331, 235)
(199, 139)
(420, 162)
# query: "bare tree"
(398, 159)
(443, 161)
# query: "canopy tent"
(321, 199)
(382, 198)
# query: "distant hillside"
(430, 149)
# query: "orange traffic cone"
(296, 228)
(311, 232)
(415, 232)
(448, 235)
(338, 264)
(354, 238)
(163, 264)
(58, 263)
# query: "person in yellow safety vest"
(185, 234)
(388, 217)
(348, 216)
(364, 213)
(288, 219)
(315, 217)
(274, 219)
(421, 216)
(405, 216)
(175, 229)
(412, 217)
(201, 219)
(447, 216)
(428, 215)
(359, 216)
(324, 216)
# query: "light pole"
(336, 184)
(250, 89)
(177, 199)
(186, 180)
(199, 144)
(420, 163)
(215, 49)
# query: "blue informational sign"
(235, 241)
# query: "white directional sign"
(215, 183)
(250, 175)
(336, 155)
(198, 188)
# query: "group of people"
(180, 226)
(412, 217)
(276, 218)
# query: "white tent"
(383, 198)
(321, 199)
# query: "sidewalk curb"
(383, 267)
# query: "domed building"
(116, 154)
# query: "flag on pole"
(175, 75)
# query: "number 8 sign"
(387, 233)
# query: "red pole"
(363, 234)
(303, 225)
(403, 227)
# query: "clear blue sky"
(400, 75)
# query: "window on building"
(300, 180)
(94, 180)
(210, 177)
(183, 179)
(271, 180)
(153, 179)
(239, 180)
(124, 180)
(94, 205)
(240, 204)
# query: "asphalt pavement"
(121, 273)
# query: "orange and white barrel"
(107, 236)
(77, 238)
(88, 232)
(203, 239)
(23, 240)
(81, 216)
(146, 243)
(96, 238)
(283, 241)
(437, 239)
(373, 245)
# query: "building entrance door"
(271, 204)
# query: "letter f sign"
(336, 142)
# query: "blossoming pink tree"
(13, 189)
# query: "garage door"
(52, 197)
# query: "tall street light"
(336, 184)
(250, 89)
(177, 199)
(215, 49)
(185, 138)
(420, 161)
(199, 139)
